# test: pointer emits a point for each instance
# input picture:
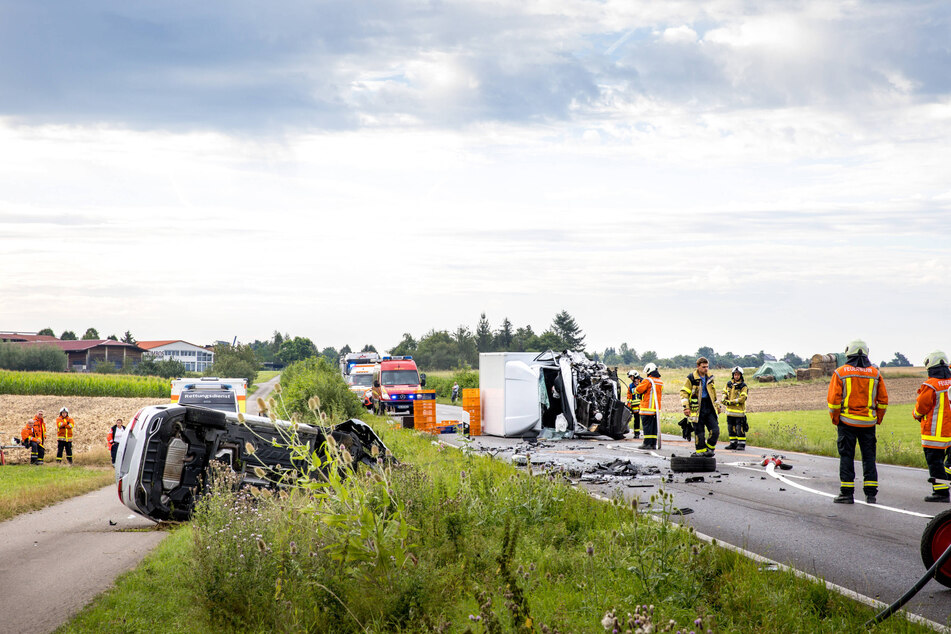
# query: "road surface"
(787, 516)
(264, 390)
(54, 561)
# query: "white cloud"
(682, 34)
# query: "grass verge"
(811, 431)
(453, 542)
(26, 488)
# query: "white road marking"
(771, 470)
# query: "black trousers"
(635, 419)
(939, 463)
(649, 423)
(707, 422)
(114, 450)
(60, 446)
(865, 436)
(37, 452)
(737, 427)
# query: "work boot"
(699, 454)
(741, 446)
(646, 445)
(637, 435)
(939, 496)
(871, 499)
(842, 498)
(732, 445)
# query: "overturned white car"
(161, 466)
(550, 395)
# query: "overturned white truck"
(550, 395)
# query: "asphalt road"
(54, 561)
(264, 390)
(786, 516)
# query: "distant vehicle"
(396, 380)
(226, 395)
(347, 361)
(361, 382)
(161, 466)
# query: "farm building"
(195, 358)
(83, 355)
(8, 336)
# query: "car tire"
(934, 541)
(206, 417)
(693, 464)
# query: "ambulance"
(225, 395)
(396, 380)
(360, 381)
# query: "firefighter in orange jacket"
(650, 389)
(64, 436)
(37, 439)
(857, 402)
(933, 411)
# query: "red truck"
(396, 380)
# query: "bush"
(32, 358)
(315, 377)
(443, 385)
(235, 362)
(166, 368)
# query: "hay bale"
(766, 378)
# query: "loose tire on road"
(934, 541)
(693, 464)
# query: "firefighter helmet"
(650, 367)
(857, 347)
(736, 369)
(64, 411)
(634, 374)
(935, 359)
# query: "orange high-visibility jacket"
(933, 409)
(39, 430)
(26, 434)
(651, 389)
(858, 396)
(64, 428)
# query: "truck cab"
(396, 380)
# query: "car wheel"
(693, 464)
(934, 541)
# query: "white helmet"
(634, 374)
(736, 369)
(64, 411)
(856, 347)
(935, 359)
(650, 367)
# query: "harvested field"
(783, 397)
(94, 415)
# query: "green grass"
(812, 431)
(263, 377)
(491, 549)
(82, 384)
(26, 488)
(155, 597)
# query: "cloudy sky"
(770, 175)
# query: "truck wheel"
(207, 417)
(934, 541)
(693, 464)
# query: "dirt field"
(794, 396)
(94, 415)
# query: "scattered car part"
(161, 466)
(693, 464)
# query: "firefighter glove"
(686, 428)
(879, 415)
(835, 418)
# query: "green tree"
(166, 368)
(47, 331)
(483, 335)
(68, 335)
(628, 355)
(567, 329)
(648, 356)
(526, 340)
(899, 361)
(235, 361)
(437, 351)
(368, 348)
(550, 340)
(345, 350)
(331, 355)
(128, 338)
(794, 360)
(296, 349)
(405, 347)
(112, 338)
(467, 350)
(90, 334)
(505, 336)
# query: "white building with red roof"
(195, 358)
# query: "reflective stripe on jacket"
(690, 392)
(64, 428)
(651, 390)
(38, 433)
(858, 394)
(633, 398)
(933, 409)
(734, 398)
